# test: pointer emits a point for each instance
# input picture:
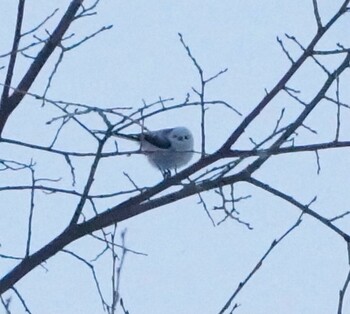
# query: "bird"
(166, 149)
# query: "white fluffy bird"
(165, 149)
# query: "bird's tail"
(131, 137)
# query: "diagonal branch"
(13, 101)
(304, 114)
(282, 83)
(304, 208)
(16, 40)
(130, 208)
(259, 264)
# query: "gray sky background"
(191, 267)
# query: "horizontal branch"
(51, 190)
(287, 150)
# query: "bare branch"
(10, 103)
(22, 300)
(116, 271)
(204, 205)
(89, 182)
(279, 40)
(317, 14)
(339, 216)
(344, 289)
(91, 267)
(11, 66)
(259, 264)
(305, 209)
(102, 29)
(338, 111)
(40, 24)
(31, 212)
(6, 304)
(201, 93)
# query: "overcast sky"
(191, 266)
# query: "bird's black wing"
(158, 140)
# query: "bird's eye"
(186, 137)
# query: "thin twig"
(344, 289)
(317, 14)
(22, 300)
(258, 265)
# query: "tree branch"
(11, 66)
(13, 101)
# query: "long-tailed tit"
(165, 149)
